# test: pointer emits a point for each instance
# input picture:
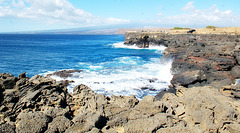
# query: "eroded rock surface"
(43, 105)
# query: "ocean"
(108, 66)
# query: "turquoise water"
(109, 67)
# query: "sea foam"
(121, 45)
(128, 75)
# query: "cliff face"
(143, 39)
(209, 57)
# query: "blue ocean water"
(108, 66)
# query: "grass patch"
(180, 28)
(210, 27)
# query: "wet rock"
(64, 73)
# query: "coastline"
(206, 99)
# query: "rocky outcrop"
(217, 56)
(144, 39)
(64, 73)
(40, 104)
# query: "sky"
(32, 15)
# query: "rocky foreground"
(205, 69)
(40, 104)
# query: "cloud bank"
(53, 12)
(190, 15)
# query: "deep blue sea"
(109, 67)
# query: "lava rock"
(188, 77)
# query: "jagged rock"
(118, 104)
(7, 81)
(235, 72)
(85, 99)
(94, 130)
(10, 97)
(7, 128)
(179, 129)
(59, 124)
(22, 75)
(152, 124)
(64, 73)
(188, 77)
(55, 111)
(207, 108)
(32, 122)
(162, 93)
(38, 79)
(45, 106)
(231, 128)
(219, 83)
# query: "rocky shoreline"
(205, 69)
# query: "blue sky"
(31, 15)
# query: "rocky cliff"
(198, 59)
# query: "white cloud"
(188, 6)
(53, 12)
(192, 16)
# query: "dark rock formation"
(215, 55)
(188, 77)
(64, 73)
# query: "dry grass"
(224, 30)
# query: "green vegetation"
(180, 28)
(210, 27)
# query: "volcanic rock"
(65, 73)
(235, 72)
(188, 77)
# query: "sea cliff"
(205, 69)
(213, 57)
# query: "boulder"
(152, 124)
(235, 72)
(22, 75)
(41, 80)
(59, 124)
(7, 81)
(32, 122)
(188, 77)
(7, 128)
